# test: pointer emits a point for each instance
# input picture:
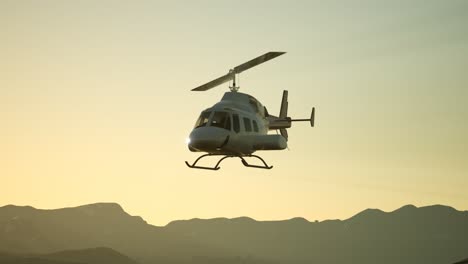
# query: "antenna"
(232, 74)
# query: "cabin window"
(203, 119)
(236, 123)
(221, 120)
(247, 125)
(255, 126)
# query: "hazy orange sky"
(95, 105)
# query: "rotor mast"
(233, 73)
(233, 87)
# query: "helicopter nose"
(207, 138)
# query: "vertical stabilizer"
(284, 105)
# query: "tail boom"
(282, 122)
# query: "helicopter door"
(236, 123)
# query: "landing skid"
(216, 167)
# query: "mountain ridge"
(117, 208)
(409, 234)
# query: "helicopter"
(238, 125)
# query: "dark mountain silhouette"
(91, 256)
(84, 256)
(431, 234)
(465, 261)
(24, 229)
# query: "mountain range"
(430, 234)
(87, 256)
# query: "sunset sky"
(95, 105)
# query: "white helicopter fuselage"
(237, 125)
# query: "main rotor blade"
(259, 60)
(245, 66)
(214, 83)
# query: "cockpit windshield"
(217, 119)
(203, 119)
(222, 120)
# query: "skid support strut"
(216, 167)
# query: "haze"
(95, 105)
